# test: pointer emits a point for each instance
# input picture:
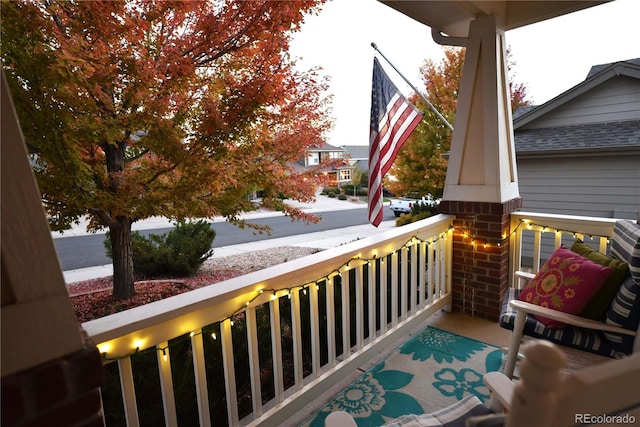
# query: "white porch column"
(482, 162)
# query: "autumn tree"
(421, 165)
(140, 108)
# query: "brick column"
(480, 255)
(63, 392)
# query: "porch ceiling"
(453, 17)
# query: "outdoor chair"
(543, 396)
(612, 334)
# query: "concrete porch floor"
(479, 329)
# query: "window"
(313, 158)
(345, 174)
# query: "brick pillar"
(480, 272)
(64, 392)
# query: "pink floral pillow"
(565, 283)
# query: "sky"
(550, 56)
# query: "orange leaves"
(206, 87)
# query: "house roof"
(357, 151)
(323, 146)
(597, 75)
(621, 135)
(596, 137)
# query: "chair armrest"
(525, 275)
(569, 319)
(501, 388)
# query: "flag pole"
(440, 116)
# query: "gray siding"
(614, 100)
(605, 186)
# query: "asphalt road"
(88, 251)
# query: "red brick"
(78, 411)
(13, 401)
(50, 384)
(85, 370)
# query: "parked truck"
(404, 205)
(401, 206)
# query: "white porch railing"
(534, 236)
(302, 325)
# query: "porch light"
(214, 336)
(137, 344)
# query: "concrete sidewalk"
(321, 239)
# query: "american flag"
(393, 119)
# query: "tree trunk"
(122, 258)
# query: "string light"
(413, 241)
(104, 348)
(530, 226)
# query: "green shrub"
(179, 252)
(347, 189)
(334, 190)
(342, 196)
(331, 194)
(411, 217)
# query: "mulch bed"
(91, 299)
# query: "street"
(87, 251)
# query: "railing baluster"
(415, 268)
(384, 271)
(602, 248)
(557, 240)
(394, 289)
(404, 255)
(359, 307)
(515, 251)
(315, 330)
(438, 268)
(331, 322)
(537, 246)
(128, 392)
(202, 394)
(422, 265)
(254, 361)
(276, 348)
(297, 338)
(431, 272)
(346, 318)
(371, 282)
(166, 384)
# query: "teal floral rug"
(429, 372)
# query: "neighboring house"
(358, 156)
(579, 153)
(316, 153)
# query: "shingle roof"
(357, 151)
(597, 68)
(589, 136)
(323, 147)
